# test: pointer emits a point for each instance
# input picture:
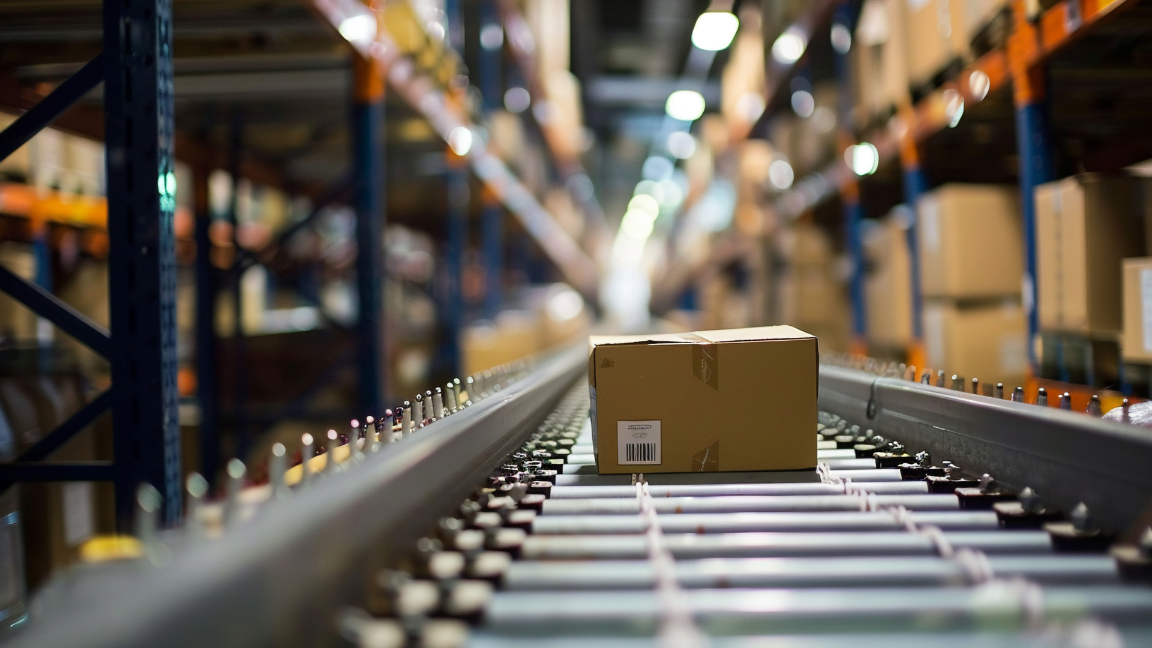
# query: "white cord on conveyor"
(677, 629)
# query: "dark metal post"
(1033, 141)
(459, 197)
(142, 260)
(239, 369)
(368, 145)
(853, 210)
(206, 388)
(492, 227)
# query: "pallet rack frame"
(136, 69)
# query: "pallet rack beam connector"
(138, 126)
(368, 162)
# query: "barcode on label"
(637, 442)
(640, 452)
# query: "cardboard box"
(1085, 225)
(888, 287)
(732, 400)
(928, 28)
(986, 341)
(880, 56)
(1136, 342)
(805, 244)
(971, 243)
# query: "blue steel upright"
(141, 183)
(915, 184)
(368, 164)
(846, 14)
(1033, 141)
(492, 225)
(459, 198)
(853, 222)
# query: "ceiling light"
(781, 175)
(714, 30)
(803, 103)
(750, 106)
(657, 168)
(637, 224)
(644, 203)
(460, 140)
(685, 105)
(841, 38)
(517, 100)
(789, 47)
(863, 159)
(492, 37)
(359, 29)
(681, 145)
(979, 84)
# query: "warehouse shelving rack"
(142, 260)
(136, 70)
(1020, 62)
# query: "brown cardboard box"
(732, 400)
(974, 15)
(888, 287)
(806, 244)
(1085, 225)
(1136, 343)
(987, 341)
(929, 29)
(971, 245)
(880, 57)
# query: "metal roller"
(768, 545)
(751, 504)
(801, 572)
(721, 490)
(729, 612)
(849, 522)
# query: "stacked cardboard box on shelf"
(942, 31)
(971, 264)
(888, 284)
(1085, 225)
(810, 295)
(1136, 342)
(880, 58)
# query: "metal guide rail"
(495, 530)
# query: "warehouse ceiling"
(629, 57)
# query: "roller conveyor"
(477, 531)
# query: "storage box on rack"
(985, 341)
(928, 25)
(731, 400)
(881, 57)
(1136, 342)
(971, 244)
(1085, 225)
(888, 285)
